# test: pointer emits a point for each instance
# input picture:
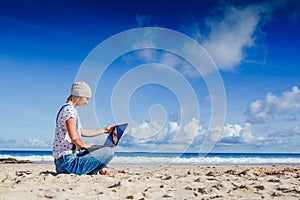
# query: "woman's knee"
(104, 152)
(110, 151)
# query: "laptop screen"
(120, 130)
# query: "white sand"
(32, 181)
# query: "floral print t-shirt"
(62, 143)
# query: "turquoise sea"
(138, 158)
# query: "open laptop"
(109, 142)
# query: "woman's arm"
(73, 134)
(95, 132)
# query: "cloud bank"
(226, 36)
(275, 107)
(25, 144)
(180, 137)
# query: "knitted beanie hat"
(81, 89)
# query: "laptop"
(110, 142)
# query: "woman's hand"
(109, 129)
(88, 145)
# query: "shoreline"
(212, 159)
(39, 181)
(49, 163)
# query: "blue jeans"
(90, 163)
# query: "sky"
(243, 95)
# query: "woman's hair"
(73, 98)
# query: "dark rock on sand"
(115, 185)
(13, 161)
(260, 187)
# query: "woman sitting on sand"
(67, 139)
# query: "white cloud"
(215, 133)
(286, 133)
(260, 138)
(30, 143)
(174, 127)
(231, 30)
(174, 135)
(147, 55)
(232, 130)
(230, 133)
(283, 107)
(185, 67)
(8, 143)
(147, 42)
(180, 137)
(199, 57)
(228, 37)
(234, 133)
(246, 135)
(146, 132)
(226, 34)
(37, 143)
(170, 59)
(192, 127)
(187, 133)
(296, 130)
(257, 112)
(231, 34)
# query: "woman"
(67, 139)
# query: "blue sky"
(255, 46)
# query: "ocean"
(45, 157)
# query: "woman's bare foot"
(103, 171)
(122, 171)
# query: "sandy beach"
(33, 181)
